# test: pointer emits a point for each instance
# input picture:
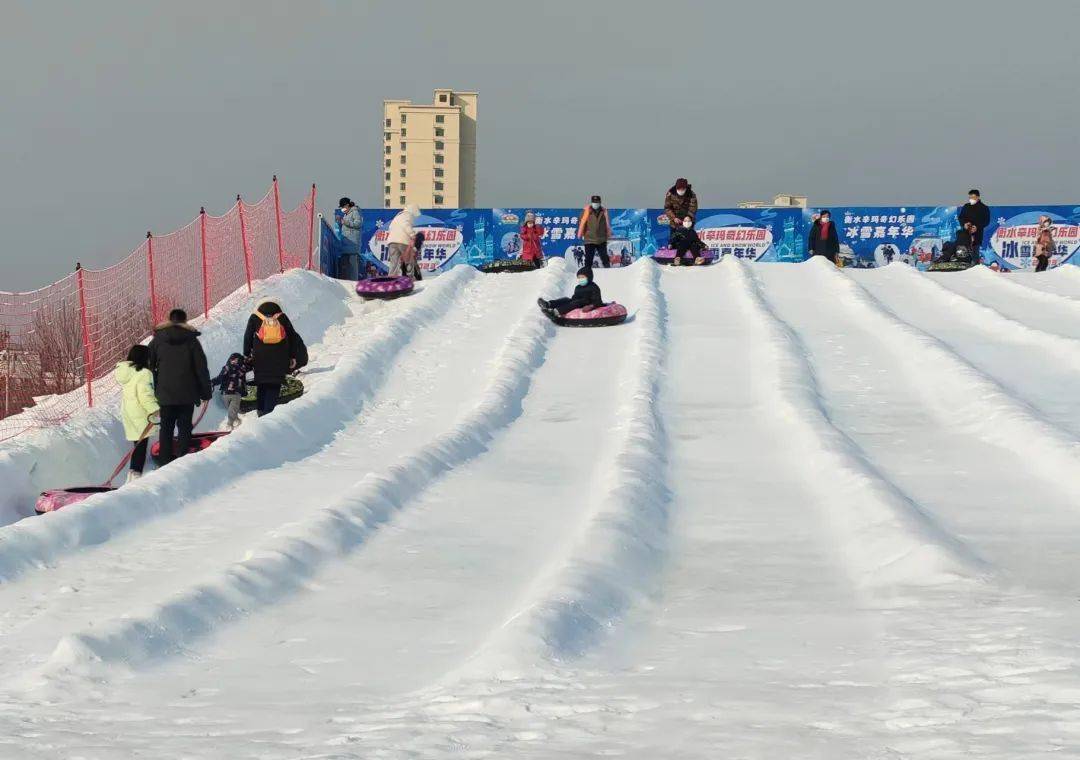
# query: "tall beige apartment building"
(429, 151)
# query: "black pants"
(566, 305)
(1041, 263)
(266, 397)
(175, 418)
(138, 456)
(591, 249)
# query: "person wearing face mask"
(976, 212)
(1044, 244)
(684, 239)
(351, 223)
(531, 235)
(586, 296)
(823, 238)
(595, 229)
(679, 203)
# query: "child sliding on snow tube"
(684, 239)
(138, 404)
(586, 296)
(233, 383)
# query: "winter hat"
(596, 199)
(974, 192)
(344, 202)
(681, 183)
(530, 216)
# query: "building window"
(403, 131)
(438, 172)
(386, 190)
(439, 145)
(387, 149)
(402, 187)
(442, 98)
(438, 185)
(439, 131)
(438, 158)
(387, 204)
(388, 176)
(402, 118)
(439, 118)
(388, 162)
(402, 172)
(388, 122)
(402, 147)
(438, 200)
(402, 200)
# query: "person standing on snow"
(679, 203)
(595, 229)
(351, 224)
(233, 383)
(272, 349)
(181, 380)
(531, 234)
(978, 213)
(1045, 247)
(400, 236)
(823, 238)
(138, 404)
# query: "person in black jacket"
(823, 238)
(684, 239)
(181, 380)
(273, 349)
(586, 296)
(976, 212)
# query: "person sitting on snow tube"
(684, 239)
(531, 234)
(272, 349)
(586, 296)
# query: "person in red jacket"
(531, 234)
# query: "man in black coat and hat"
(977, 213)
(181, 381)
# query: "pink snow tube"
(608, 314)
(57, 498)
(667, 255)
(384, 287)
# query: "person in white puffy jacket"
(400, 236)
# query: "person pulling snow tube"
(667, 256)
(58, 498)
(600, 316)
(291, 390)
(510, 265)
(384, 287)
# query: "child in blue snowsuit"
(233, 382)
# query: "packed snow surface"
(782, 511)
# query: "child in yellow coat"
(137, 404)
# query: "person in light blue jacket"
(351, 223)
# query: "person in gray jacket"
(351, 223)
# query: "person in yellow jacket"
(138, 404)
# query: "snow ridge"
(291, 433)
(284, 564)
(613, 564)
(887, 538)
(1009, 284)
(964, 395)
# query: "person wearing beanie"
(351, 224)
(586, 296)
(823, 238)
(594, 228)
(531, 234)
(679, 203)
(976, 212)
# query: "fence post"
(205, 263)
(153, 286)
(311, 228)
(277, 218)
(244, 241)
(88, 349)
(7, 381)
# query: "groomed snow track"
(781, 511)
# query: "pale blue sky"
(118, 117)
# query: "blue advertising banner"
(753, 234)
(1009, 241)
(631, 233)
(451, 237)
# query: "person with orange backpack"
(272, 348)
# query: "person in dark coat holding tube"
(823, 238)
(586, 296)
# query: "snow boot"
(132, 476)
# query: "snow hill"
(783, 511)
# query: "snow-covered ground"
(783, 511)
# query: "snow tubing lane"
(384, 287)
(608, 314)
(291, 390)
(57, 498)
(509, 265)
(667, 256)
(199, 441)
